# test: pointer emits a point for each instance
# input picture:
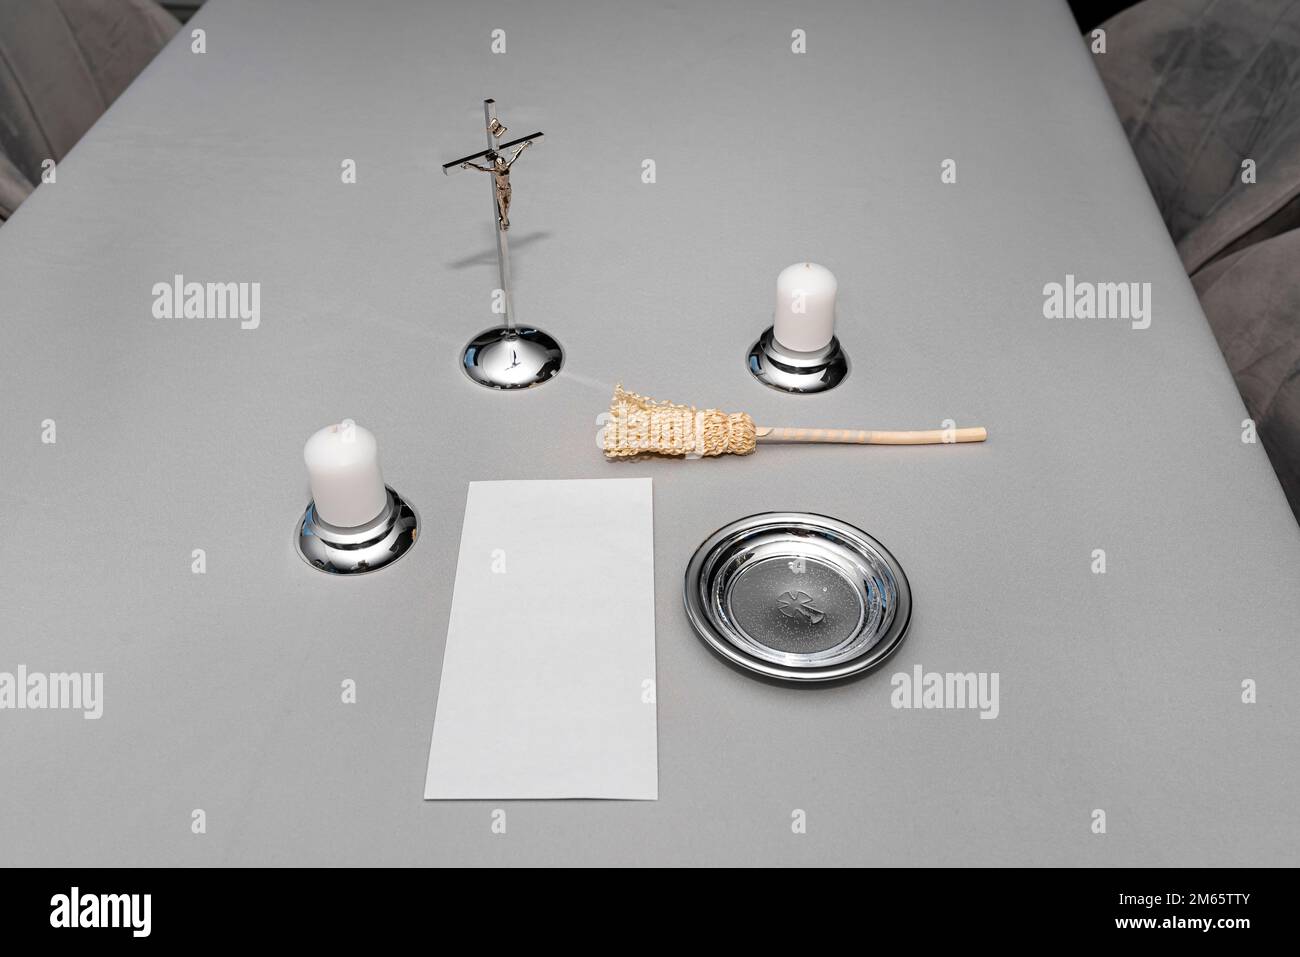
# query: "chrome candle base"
(519, 358)
(355, 551)
(780, 368)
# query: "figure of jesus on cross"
(500, 170)
(497, 164)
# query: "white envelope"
(548, 677)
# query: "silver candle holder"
(366, 548)
(369, 525)
(799, 351)
(802, 372)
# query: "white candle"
(805, 307)
(343, 465)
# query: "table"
(1119, 691)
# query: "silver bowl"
(798, 596)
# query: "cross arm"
(489, 154)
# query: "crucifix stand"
(508, 356)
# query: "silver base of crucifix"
(780, 368)
(512, 358)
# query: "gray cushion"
(1252, 299)
(1200, 86)
(14, 187)
(62, 62)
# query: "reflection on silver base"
(501, 358)
(355, 551)
(774, 365)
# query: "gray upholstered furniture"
(1205, 90)
(62, 63)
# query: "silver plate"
(798, 596)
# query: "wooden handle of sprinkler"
(767, 433)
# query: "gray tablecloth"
(1119, 691)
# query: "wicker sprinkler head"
(641, 426)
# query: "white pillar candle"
(343, 465)
(805, 307)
